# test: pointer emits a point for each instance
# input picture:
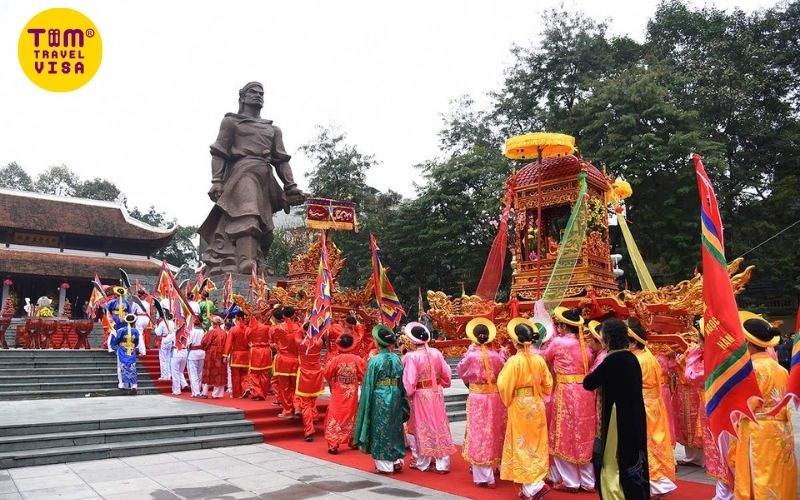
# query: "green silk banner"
(570, 250)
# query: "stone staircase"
(61, 373)
(23, 445)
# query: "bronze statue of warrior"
(238, 231)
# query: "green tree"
(97, 189)
(288, 244)
(12, 176)
(443, 237)
(339, 172)
(58, 180)
(632, 123)
(549, 78)
(739, 72)
(182, 249)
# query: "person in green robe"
(383, 407)
(207, 310)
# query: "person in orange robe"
(215, 373)
(660, 456)
(237, 352)
(310, 381)
(765, 464)
(286, 337)
(344, 372)
(258, 338)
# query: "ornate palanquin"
(548, 188)
(552, 185)
(298, 290)
(667, 313)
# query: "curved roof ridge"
(96, 203)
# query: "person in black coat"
(620, 452)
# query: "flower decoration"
(8, 282)
(44, 312)
(622, 189)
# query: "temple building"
(54, 246)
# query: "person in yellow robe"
(764, 456)
(523, 383)
(660, 456)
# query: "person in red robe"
(343, 372)
(258, 338)
(237, 352)
(215, 373)
(276, 320)
(286, 337)
(310, 381)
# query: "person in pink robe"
(668, 364)
(573, 419)
(716, 464)
(425, 373)
(486, 413)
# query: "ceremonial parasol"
(538, 145)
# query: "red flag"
(163, 284)
(227, 292)
(254, 282)
(495, 262)
(321, 317)
(388, 303)
(731, 381)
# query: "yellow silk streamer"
(487, 366)
(645, 280)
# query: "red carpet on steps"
(288, 434)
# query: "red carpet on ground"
(288, 434)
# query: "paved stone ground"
(79, 409)
(241, 472)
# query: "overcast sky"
(384, 71)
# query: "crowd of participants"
(591, 408)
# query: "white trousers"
(662, 486)
(723, 492)
(572, 475)
(412, 445)
(164, 364)
(482, 474)
(178, 365)
(387, 465)
(195, 367)
(442, 463)
(530, 489)
(230, 385)
(694, 455)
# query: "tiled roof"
(77, 216)
(557, 167)
(74, 266)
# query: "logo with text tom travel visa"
(60, 49)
